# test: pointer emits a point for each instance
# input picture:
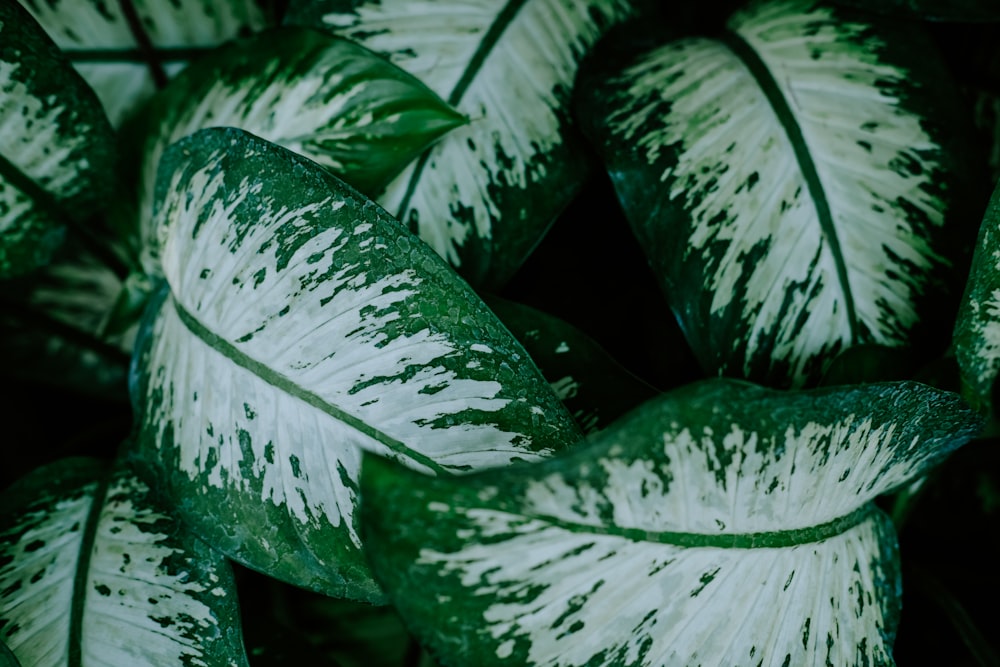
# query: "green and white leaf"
(93, 572)
(485, 195)
(324, 97)
(720, 524)
(976, 340)
(302, 326)
(789, 181)
(594, 387)
(126, 59)
(55, 145)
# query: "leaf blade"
(575, 561)
(313, 302)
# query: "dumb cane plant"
(272, 256)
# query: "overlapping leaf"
(720, 524)
(128, 50)
(592, 385)
(484, 195)
(302, 326)
(323, 97)
(94, 572)
(55, 145)
(977, 329)
(789, 181)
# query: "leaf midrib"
(279, 381)
(500, 24)
(82, 574)
(786, 118)
(776, 539)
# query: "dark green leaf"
(592, 385)
(939, 10)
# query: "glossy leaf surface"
(93, 572)
(722, 523)
(302, 326)
(326, 98)
(55, 145)
(128, 50)
(977, 329)
(789, 182)
(484, 196)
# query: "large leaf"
(720, 524)
(94, 572)
(127, 50)
(302, 326)
(790, 183)
(55, 145)
(977, 330)
(323, 97)
(485, 195)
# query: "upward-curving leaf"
(56, 147)
(324, 97)
(302, 326)
(977, 330)
(94, 572)
(129, 49)
(720, 524)
(790, 182)
(485, 195)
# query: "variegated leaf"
(302, 326)
(591, 384)
(485, 195)
(129, 49)
(977, 330)
(720, 524)
(55, 145)
(94, 572)
(323, 97)
(789, 182)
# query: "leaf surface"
(485, 195)
(324, 97)
(976, 339)
(718, 524)
(128, 50)
(302, 326)
(790, 183)
(56, 147)
(94, 572)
